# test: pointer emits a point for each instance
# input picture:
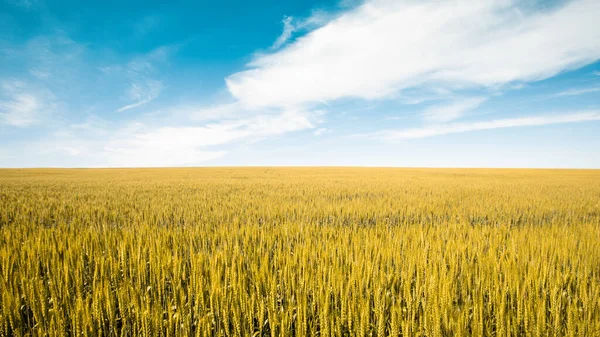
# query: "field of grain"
(299, 252)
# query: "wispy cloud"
(28, 4)
(142, 93)
(578, 92)
(288, 29)
(321, 131)
(292, 25)
(21, 110)
(56, 58)
(443, 129)
(184, 145)
(22, 105)
(382, 48)
(39, 73)
(144, 76)
(453, 110)
(167, 136)
(98, 143)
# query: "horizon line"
(301, 166)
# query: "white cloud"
(292, 25)
(22, 105)
(39, 73)
(98, 143)
(91, 122)
(173, 146)
(54, 58)
(453, 110)
(578, 92)
(21, 110)
(320, 131)
(142, 93)
(143, 156)
(143, 75)
(597, 73)
(211, 112)
(70, 150)
(132, 105)
(383, 47)
(443, 129)
(288, 29)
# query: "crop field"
(299, 252)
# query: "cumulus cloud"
(384, 47)
(443, 129)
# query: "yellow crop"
(299, 252)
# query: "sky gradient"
(457, 83)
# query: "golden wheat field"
(299, 252)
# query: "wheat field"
(299, 252)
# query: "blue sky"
(457, 83)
